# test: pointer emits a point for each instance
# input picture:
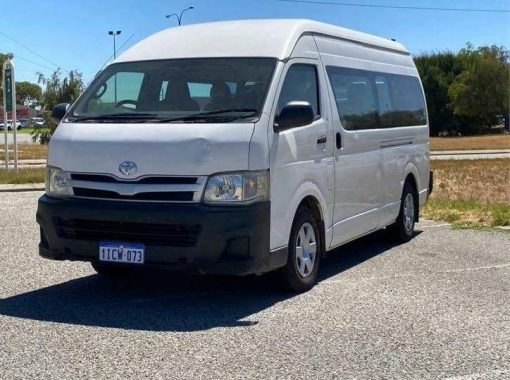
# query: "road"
(23, 138)
(470, 154)
(437, 307)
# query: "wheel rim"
(409, 213)
(306, 250)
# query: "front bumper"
(193, 236)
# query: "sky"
(72, 34)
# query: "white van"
(238, 148)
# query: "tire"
(305, 250)
(109, 270)
(403, 229)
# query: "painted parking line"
(404, 275)
(499, 266)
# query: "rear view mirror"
(59, 111)
(293, 115)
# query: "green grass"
(23, 131)
(29, 175)
(468, 213)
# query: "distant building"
(22, 112)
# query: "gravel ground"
(437, 307)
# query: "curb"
(12, 188)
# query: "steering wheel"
(123, 103)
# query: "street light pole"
(179, 17)
(115, 33)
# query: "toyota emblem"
(128, 168)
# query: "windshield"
(180, 90)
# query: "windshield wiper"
(204, 115)
(124, 116)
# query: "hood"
(157, 149)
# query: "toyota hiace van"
(238, 147)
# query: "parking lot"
(437, 307)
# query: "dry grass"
(26, 151)
(471, 193)
(470, 143)
(483, 180)
(29, 175)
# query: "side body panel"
(372, 164)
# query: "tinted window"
(367, 100)
(355, 98)
(300, 85)
(407, 103)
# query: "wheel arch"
(412, 179)
(312, 203)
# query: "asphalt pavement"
(436, 307)
(22, 138)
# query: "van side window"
(355, 98)
(300, 85)
(407, 103)
(397, 100)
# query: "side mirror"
(59, 111)
(293, 115)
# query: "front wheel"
(305, 249)
(403, 228)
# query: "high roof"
(243, 38)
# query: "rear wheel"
(403, 228)
(305, 249)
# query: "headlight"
(235, 188)
(57, 183)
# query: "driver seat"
(178, 98)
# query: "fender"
(410, 168)
(310, 189)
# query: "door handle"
(322, 140)
(338, 140)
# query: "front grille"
(156, 188)
(156, 180)
(175, 196)
(171, 235)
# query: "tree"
(57, 90)
(466, 91)
(482, 92)
(28, 94)
(438, 71)
(61, 90)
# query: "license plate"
(117, 252)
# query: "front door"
(300, 157)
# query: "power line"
(396, 6)
(34, 63)
(30, 50)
